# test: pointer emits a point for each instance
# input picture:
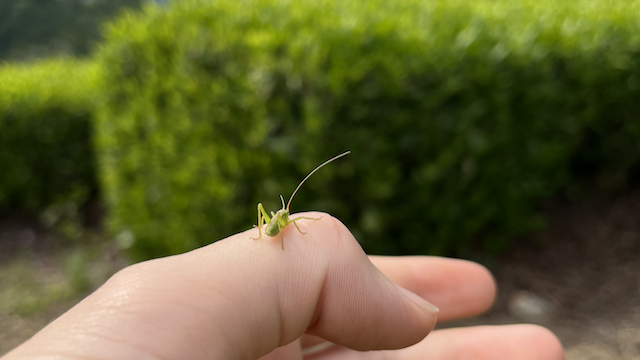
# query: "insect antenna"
(311, 173)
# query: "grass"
(41, 279)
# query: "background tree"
(37, 28)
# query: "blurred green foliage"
(462, 116)
(46, 150)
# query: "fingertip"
(542, 341)
(328, 233)
(528, 341)
(522, 342)
(421, 302)
(486, 286)
(461, 288)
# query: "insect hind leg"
(307, 218)
(302, 217)
(263, 218)
(296, 224)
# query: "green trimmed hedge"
(46, 149)
(462, 116)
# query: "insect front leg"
(280, 228)
(263, 218)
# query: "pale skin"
(239, 299)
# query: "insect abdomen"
(272, 227)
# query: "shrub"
(462, 116)
(46, 150)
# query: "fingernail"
(419, 301)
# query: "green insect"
(278, 221)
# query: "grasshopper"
(279, 220)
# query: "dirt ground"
(580, 278)
(43, 275)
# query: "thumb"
(358, 306)
(241, 299)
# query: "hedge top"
(58, 80)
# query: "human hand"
(243, 299)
